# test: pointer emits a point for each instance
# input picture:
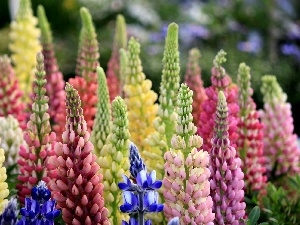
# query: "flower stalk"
(115, 78)
(113, 160)
(280, 144)
(55, 81)
(186, 170)
(24, 40)
(140, 100)
(78, 188)
(87, 62)
(226, 182)
(220, 82)
(193, 79)
(102, 125)
(250, 141)
(33, 161)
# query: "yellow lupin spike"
(3, 185)
(140, 100)
(24, 45)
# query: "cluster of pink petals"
(10, 93)
(226, 182)
(280, 144)
(192, 205)
(193, 79)
(78, 188)
(55, 91)
(33, 161)
(252, 143)
(206, 122)
(87, 92)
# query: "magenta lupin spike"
(78, 188)
(220, 82)
(226, 182)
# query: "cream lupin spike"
(140, 100)
(186, 182)
(24, 40)
(114, 161)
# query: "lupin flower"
(113, 160)
(250, 141)
(4, 192)
(10, 213)
(11, 136)
(139, 191)
(136, 162)
(186, 185)
(24, 40)
(193, 79)
(226, 182)
(55, 81)
(102, 124)
(220, 82)
(39, 209)
(10, 97)
(115, 79)
(140, 100)
(78, 188)
(280, 144)
(85, 81)
(165, 122)
(33, 157)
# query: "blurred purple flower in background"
(293, 31)
(252, 45)
(189, 32)
(291, 49)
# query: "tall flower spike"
(114, 77)
(11, 136)
(113, 160)
(101, 128)
(170, 82)
(220, 82)
(33, 160)
(186, 185)
(10, 97)
(250, 141)
(40, 208)
(85, 81)
(226, 175)
(4, 192)
(194, 81)
(55, 81)
(280, 144)
(165, 122)
(140, 100)
(10, 213)
(24, 40)
(78, 188)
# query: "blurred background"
(265, 34)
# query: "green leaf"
(264, 223)
(254, 215)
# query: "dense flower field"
(104, 148)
